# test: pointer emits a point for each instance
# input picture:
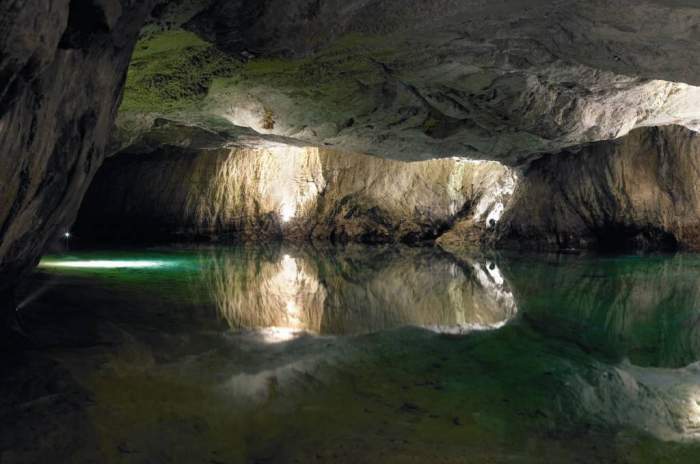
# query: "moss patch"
(172, 71)
(176, 71)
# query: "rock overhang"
(419, 80)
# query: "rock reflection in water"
(642, 308)
(264, 288)
(355, 290)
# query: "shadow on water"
(357, 354)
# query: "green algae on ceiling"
(173, 70)
(176, 70)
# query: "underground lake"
(295, 353)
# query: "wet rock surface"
(637, 192)
(242, 120)
(405, 80)
(47, 410)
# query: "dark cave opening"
(87, 22)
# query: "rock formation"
(288, 192)
(415, 79)
(636, 192)
(62, 70)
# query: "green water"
(356, 354)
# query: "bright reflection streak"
(280, 334)
(105, 264)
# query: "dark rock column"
(62, 71)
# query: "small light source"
(287, 212)
(67, 235)
(280, 334)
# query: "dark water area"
(285, 353)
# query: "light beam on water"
(105, 264)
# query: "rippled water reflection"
(356, 354)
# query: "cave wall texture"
(296, 193)
(637, 192)
(400, 79)
(420, 79)
(62, 69)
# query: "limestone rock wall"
(288, 192)
(399, 79)
(62, 67)
(640, 191)
(637, 192)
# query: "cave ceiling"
(410, 80)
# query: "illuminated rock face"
(634, 193)
(290, 192)
(415, 80)
(637, 192)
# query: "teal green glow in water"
(371, 354)
(87, 261)
(103, 264)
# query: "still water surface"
(358, 354)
